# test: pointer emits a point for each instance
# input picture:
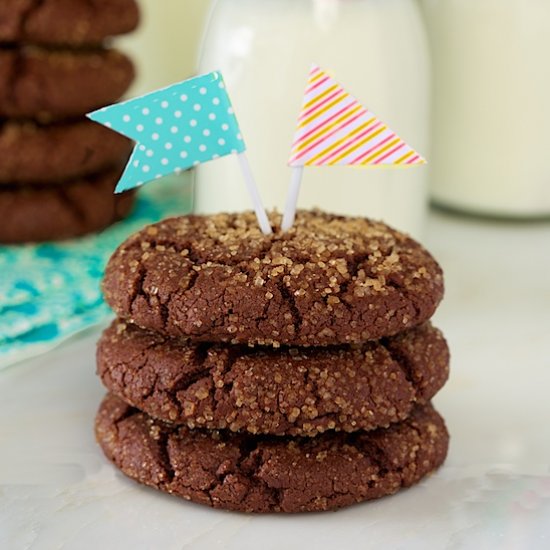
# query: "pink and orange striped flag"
(335, 129)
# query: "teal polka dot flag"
(175, 128)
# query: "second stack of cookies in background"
(58, 170)
(290, 372)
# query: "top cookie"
(329, 280)
(66, 22)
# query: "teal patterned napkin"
(48, 292)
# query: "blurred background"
(165, 47)
(464, 82)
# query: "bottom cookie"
(271, 474)
(38, 214)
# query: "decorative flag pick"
(179, 127)
(335, 129)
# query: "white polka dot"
(221, 141)
(142, 148)
(183, 97)
(202, 91)
(202, 148)
(206, 133)
(225, 127)
(158, 176)
(164, 162)
(221, 85)
(174, 129)
(108, 124)
(155, 137)
(193, 122)
(135, 163)
(145, 111)
(230, 111)
(216, 101)
(214, 157)
(165, 104)
(168, 146)
(139, 128)
(146, 168)
(150, 153)
(184, 154)
(197, 107)
(159, 121)
(239, 137)
(212, 116)
(177, 114)
(196, 163)
(126, 118)
(187, 139)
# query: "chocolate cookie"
(280, 392)
(54, 84)
(329, 280)
(72, 22)
(270, 474)
(31, 214)
(52, 154)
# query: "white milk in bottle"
(491, 144)
(376, 49)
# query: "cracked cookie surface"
(48, 85)
(289, 391)
(269, 474)
(329, 280)
(67, 22)
(55, 153)
(85, 205)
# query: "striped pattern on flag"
(335, 129)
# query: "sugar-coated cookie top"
(287, 391)
(329, 280)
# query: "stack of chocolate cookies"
(58, 170)
(290, 372)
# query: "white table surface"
(57, 490)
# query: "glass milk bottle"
(376, 49)
(491, 107)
